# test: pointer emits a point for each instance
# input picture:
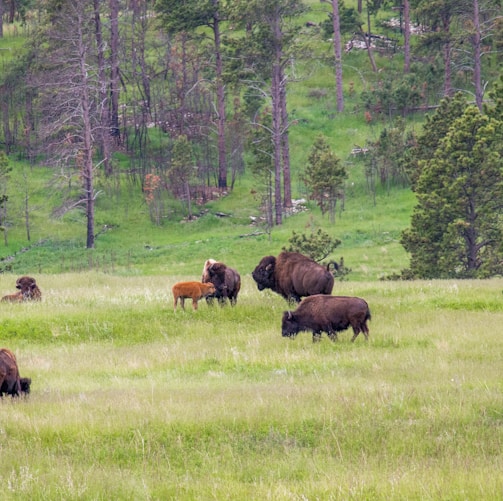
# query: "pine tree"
(457, 227)
(324, 177)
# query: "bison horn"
(289, 314)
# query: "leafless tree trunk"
(220, 90)
(368, 43)
(276, 119)
(104, 133)
(87, 167)
(338, 55)
(69, 96)
(1, 19)
(285, 144)
(114, 68)
(446, 24)
(406, 36)
(476, 42)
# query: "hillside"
(128, 242)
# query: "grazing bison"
(10, 381)
(293, 276)
(192, 290)
(226, 280)
(28, 291)
(330, 314)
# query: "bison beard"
(330, 314)
(10, 382)
(293, 276)
(192, 290)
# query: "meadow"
(131, 400)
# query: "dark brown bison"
(193, 290)
(226, 280)
(293, 275)
(330, 314)
(10, 381)
(28, 291)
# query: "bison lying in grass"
(330, 314)
(28, 291)
(293, 275)
(191, 290)
(10, 381)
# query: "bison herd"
(291, 275)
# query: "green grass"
(131, 400)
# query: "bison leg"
(316, 337)
(356, 331)
(365, 331)
(194, 303)
(333, 336)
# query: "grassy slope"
(134, 245)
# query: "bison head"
(25, 384)
(28, 287)
(25, 283)
(289, 325)
(263, 274)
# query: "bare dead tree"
(69, 99)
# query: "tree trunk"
(114, 69)
(1, 19)
(222, 150)
(276, 120)
(406, 36)
(476, 41)
(446, 22)
(103, 94)
(338, 55)
(87, 140)
(368, 43)
(285, 144)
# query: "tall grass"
(131, 400)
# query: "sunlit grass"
(132, 398)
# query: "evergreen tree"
(457, 227)
(324, 177)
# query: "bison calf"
(326, 313)
(192, 290)
(10, 381)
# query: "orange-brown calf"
(192, 290)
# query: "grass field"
(131, 400)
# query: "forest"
(186, 98)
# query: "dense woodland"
(195, 94)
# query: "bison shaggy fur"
(10, 381)
(226, 280)
(28, 291)
(293, 276)
(191, 290)
(330, 314)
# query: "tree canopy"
(457, 226)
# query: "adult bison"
(293, 275)
(226, 280)
(330, 314)
(28, 291)
(10, 381)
